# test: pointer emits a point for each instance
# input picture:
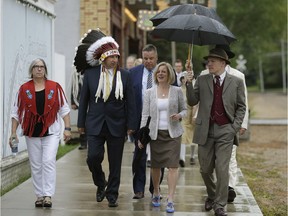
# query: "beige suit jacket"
(233, 100)
(239, 74)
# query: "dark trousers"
(95, 157)
(139, 177)
(83, 140)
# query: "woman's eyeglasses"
(39, 66)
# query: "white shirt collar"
(222, 76)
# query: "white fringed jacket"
(176, 105)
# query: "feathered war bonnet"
(101, 49)
(96, 54)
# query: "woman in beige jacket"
(166, 106)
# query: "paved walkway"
(75, 193)
(268, 107)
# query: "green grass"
(21, 180)
(62, 150)
(253, 89)
(268, 187)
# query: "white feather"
(91, 50)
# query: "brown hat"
(101, 49)
(227, 49)
(218, 53)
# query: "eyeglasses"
(39, 66)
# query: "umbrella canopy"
(184, 9)
(194, 29)
(80, 56)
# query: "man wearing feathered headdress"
(106, 113)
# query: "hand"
(242, 131)
(81, 130)
(67, 135)
(189, 76)
(175, 117)
(140, 145)
(74, 107)
(13, 136)
(130, 132)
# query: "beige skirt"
(165, 151)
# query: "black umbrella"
(143, 133)
(144, 138)
(184, 9)
(80, 56)
(194, 29)
(187, 9)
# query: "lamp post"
(261, 74)
(284, 78)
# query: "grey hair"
(33, 63)
(150, 48)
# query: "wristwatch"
(68, 128)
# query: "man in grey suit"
(233, 169)
(222, 108)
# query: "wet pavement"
(75, 193)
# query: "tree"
(259, 27)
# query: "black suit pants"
(95, 158)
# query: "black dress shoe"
(220, 212)
(192, 161)
(112, 203)
(100, 194)
(182, 163)
(148, 163)
(231, 195)
(208, 204)
(138, 195)
(82, 147)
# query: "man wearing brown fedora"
(222, 108)
(233, 169)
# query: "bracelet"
(67, 128)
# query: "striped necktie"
(217, 81)
(149, 80)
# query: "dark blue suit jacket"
(136, 76)
(119, 115)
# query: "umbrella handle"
(190, 54)
(148, 121)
